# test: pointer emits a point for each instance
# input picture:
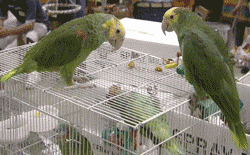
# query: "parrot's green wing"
(59, 51)
(221, 46)
(73, 143)
(207, 69)
(54, 50)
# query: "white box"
(147, 36)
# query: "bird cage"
(53, 9)
(135, 106)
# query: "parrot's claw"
(80, 79)
(29, 87)
(79, 86)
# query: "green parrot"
(63, 49)
(208, 66)
(79, 144)
(201, 108)
(138, 108)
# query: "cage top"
(106, 69)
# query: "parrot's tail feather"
(10, 74)
(238, 135)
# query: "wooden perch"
(16, 31)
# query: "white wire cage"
(123, 113)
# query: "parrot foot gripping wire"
(78, 86)
(80, 79)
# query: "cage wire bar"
(124, 113)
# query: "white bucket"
(15, 129)
(41, 122)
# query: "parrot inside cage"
(71, 137)
(157, 130)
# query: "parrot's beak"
(164, 25)
(117, 43)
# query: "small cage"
(134, 108)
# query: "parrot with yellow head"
(63, 49)
(208, 66)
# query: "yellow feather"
(38, 114)
(171, 65)
(7, 76)
(112, 25)
(169, 12)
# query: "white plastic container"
(41, 122)
(15, 129)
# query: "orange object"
(16, 31)
(234, 2)
(81, 34)
(158, 68)
(235, 50)
(131, 7)
(183, 3)
(131, 64)
(43, 1)
(202, 11)
(246, 47)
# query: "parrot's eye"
(118, 31)
(171, 16)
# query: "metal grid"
(98, 118)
